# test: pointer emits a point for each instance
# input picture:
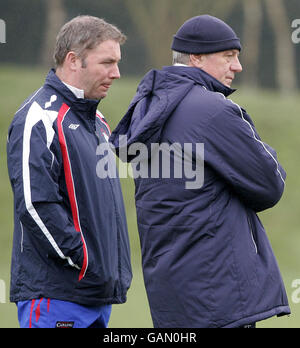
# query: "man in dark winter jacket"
(207, 261)
(71, 257)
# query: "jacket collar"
(79, 93)
(78, 104)
(200, 77)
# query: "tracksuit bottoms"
(50, 313)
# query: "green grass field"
(277, 121)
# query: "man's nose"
(236, 65)
(115, 72)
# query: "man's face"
(99, 69)
(221, 65)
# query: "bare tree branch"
(158, 21)
(55, 19)
(285, 55)
(252, 31)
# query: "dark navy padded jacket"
(207, 261)
(70, 235)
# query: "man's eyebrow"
(233, 51)
(110, 59)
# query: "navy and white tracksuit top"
(207, 260)
(70, 232)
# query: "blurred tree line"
(269, 56)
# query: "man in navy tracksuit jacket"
(207, 261)
(71, 257)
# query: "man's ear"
(196, 60)
(72, 61)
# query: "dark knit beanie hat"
(205, 34)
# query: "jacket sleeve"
(234, 149)
(35, 172)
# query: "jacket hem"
(87, 301)
(277, 311)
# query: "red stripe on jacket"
(69, 181)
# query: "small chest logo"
(73, 126)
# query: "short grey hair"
(84, 33)
(181, 58)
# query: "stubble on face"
(99, 69)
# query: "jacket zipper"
(252, 236)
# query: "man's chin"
(228, 82)
(97, 96)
